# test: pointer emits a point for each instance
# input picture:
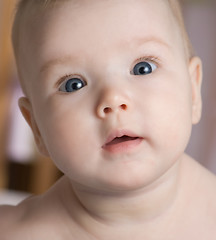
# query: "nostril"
(124, 106)
(107, 110)
(110, 109)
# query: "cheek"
(68, 145)
(179, 130)
(166, 109)
(64, 130)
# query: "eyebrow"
(57, 61)
(70, 58)
(153, 39)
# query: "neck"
(129, 208)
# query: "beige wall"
(200, 17)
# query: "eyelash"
(67, 77)
(152, 59)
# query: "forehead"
(93, 26)
(105, 16)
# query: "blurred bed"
(12, 197)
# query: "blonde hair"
(178, 14)
(42, 5)
(19, 18)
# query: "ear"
(195, 71)
(27, 112)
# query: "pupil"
(142, 68)
(145, 69)
(73, 84)
(76, 85)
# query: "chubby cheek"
(167, 113)
(66, 134)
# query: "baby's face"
(101, 70)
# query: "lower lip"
(123, 147)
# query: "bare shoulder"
(196, 212)
(206, 199)
(204, 190)
(209, 185)
(8, 214)
(15, 220)
(37, 217)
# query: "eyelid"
(67, 77)
(152, 59)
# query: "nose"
(112, 102)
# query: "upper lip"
(118, 134)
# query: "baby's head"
(28, 11)
(112, 86)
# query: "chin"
(127, 184)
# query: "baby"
(112, 89)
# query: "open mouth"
(122, 139)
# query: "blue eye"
(72, 85)
(144, 68)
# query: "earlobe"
(26, 109)
(195, 71)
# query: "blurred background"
(23, 171)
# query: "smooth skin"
(145, 188)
